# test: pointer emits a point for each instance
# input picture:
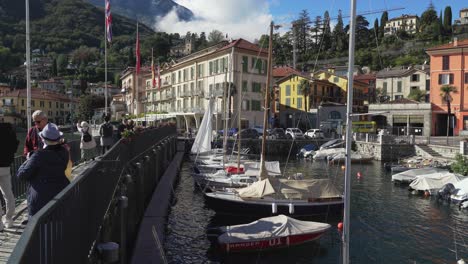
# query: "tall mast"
(226, 92)
(239, 108)
(349, 123)
(28, 68)
(105, 57)
(263, 173)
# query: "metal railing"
(104, 203)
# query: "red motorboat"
(269, 233)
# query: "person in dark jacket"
(9, 144)
(45, 169)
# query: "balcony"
(185, 94)
(197, 92)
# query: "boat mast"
(239, 108)
(226, 109)
(263, 173)
(105, 57)
(349, 123)
(28, 68)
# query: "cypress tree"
(383, 21)
(448, 19)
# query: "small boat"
(460, 191)
(324, 153)
(432, 183)
(411, 174)
(307, 151)
(269, 233)
(339, 158)
(334, 143)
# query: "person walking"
(45, 170)
(106, 131)
(122, 127)
(33, 142)
(9, 144)
(87, 144)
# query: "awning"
(416, 119)
(400, 119)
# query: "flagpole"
(105, 57)
(28, 68)
(136, 74)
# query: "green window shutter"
(211, 67)
(245, 63)
(244, 86)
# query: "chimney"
(455, 42)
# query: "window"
(22, 100)
(246, 105)
(245, 63)
(299, 103)
(185, 74)
(33, 103)
(56, 104)
(179, 76)
(466, 77)
(244, 86)
(256, 87)
(336, 79)
(215, 66)
(415, 78)
(445, 62)
(192, 73)
(288, 90)
(200, 70)
(399, 87)
(398, 97)
(288, 102)
(446, 78)
(334, 115)
(384, 87)
(41, 104)
(256, 105)
(315, 89)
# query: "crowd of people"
(47, 159)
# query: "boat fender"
(427, 193)
(461, 261)
(291, 208)
(340, 226)
(359, 175)
(274, 208)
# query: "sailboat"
(270, 196)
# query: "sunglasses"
(37, 122)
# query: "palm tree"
(305, 88)
(445, 93)
(417, 95)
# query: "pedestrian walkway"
(10, 236)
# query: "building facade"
(449, 66)
(58, 107)
(397, 83)
(404, 22)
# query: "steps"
(430, 151)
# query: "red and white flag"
(108, 22)
(159, 77)
(137, 53)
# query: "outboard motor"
(445, 191)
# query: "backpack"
(107, 130)
(87, 137)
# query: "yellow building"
(56, 106)
(293, 105)
(342, 82)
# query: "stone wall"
(385, 152)
(444, 151)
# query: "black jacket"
(9, 144)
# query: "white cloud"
(247, 19)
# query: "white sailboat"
(202, 143)
(269, 196)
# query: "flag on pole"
(137, 52)
(108, 22)
(159, 77)
(153, 73)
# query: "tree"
(448, 19)
(417, 95)
(301, 32)
(376, 28)
(317, 29)
(362, 32)
(446, 94)
(215, 37)
(53, 68)
(339, 35)
(305, 89)
(428, 23)
(62, 63)
(326, 32)
(383, 21)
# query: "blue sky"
(250, 19)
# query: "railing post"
(123, 204)
(367, 137)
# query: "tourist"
(87, 144)
(122, 127)
(45, 170)
(106, 131)
(9, 144)
(33, 142)
(131, 125)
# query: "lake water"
(388, 225)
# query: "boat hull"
(263, 208)
(271, 243)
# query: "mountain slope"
(59, 25)
(146, 10)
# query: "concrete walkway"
(10, 236)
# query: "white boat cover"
(461, 190)
(410, 175)
(202, 143)
(268, 228)
(253, 168)
(354, 157)
(324, 153)
(434, 181)
(308, 189)
(257, 189)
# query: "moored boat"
(269, 233)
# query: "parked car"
(259, 129)
(276, 133)
(314, 133)
(294, 133)
(247, 133)
(231, 132)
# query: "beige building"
(133, 90)
(403, 22)
(187, 85)
(397, 83)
